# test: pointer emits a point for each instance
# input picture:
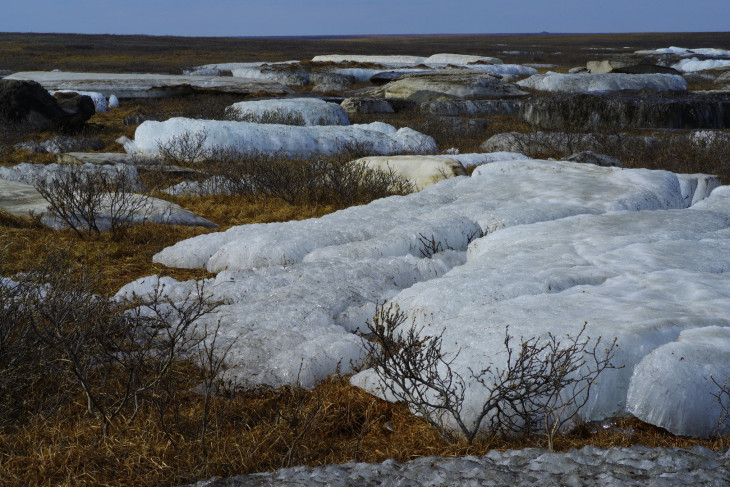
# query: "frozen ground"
(567, 243)
(587, 467)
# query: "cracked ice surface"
(656, 280)
(569, 243)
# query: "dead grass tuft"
(228, 211)
(261, 432)
(118, 262)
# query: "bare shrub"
(27, 387)
(692, 152)
(90, 201)
(541, 388)
(185, 148)
(211, 360)
(429, 247)
(12, 134)
(119, 358)
(336, 180)
(464, 133)
(722, 395)
(268, 116)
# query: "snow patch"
(246, 137)
(692, 65)
(303, 111)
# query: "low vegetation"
(100, 392)
(539, 390)
(105, 53)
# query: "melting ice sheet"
(567, 243)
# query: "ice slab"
(504, 69)
(383, 60)
(153, 210)
(693, 64)
(502, 194)
(27, 173)
(643, 277)
(293, 111)
(231, 66)
(364, 74)
(477, 159)
(247, 137)
(458, 59)
(421, 171)
(18, 196)
(567, 243)
(294, 324)
(603, 82)
(672, 386)
(682, 51)
(149, 85)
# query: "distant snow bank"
(402, 61)
(692, 65)
(468, 160)
(682, 51)
(603, 82)
(307, 111)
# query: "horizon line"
(345, 36)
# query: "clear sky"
(336, 17)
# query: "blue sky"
(334, 17)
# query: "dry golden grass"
(125, 259)
(333, 423)
(229, 211)
(118, 262)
